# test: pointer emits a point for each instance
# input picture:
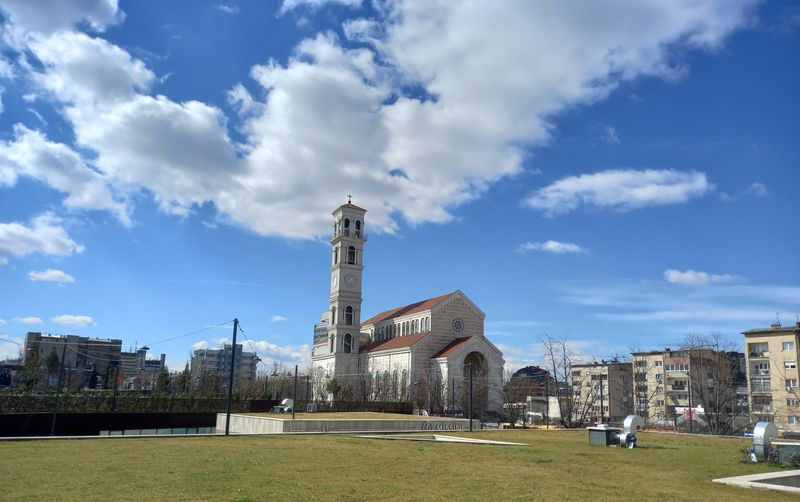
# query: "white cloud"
(551, 246)
(619, 189)
(50, 275)
(47, 16)
(2, 322)
(74, 320)
(758, 190)
(492, 78)
(30, 320)
(227, 9)
(279, 318)
(316, 4)
(695, 278)
(45, 235)
(200, 345)
(30, 154)
(270, 352)
(610, 135)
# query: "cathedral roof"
(411, 308)
(451, 347)
(393, 343)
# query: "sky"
(619, 173)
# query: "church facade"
(420, 352)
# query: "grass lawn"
(346, 415)
(559, 465)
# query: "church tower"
(347, 265)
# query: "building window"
(347, 226)
(331, 341)
(658, 363)
(792, 402)
(358, 228)
(790, 365)
(791, 383)
(348, 343)
(351, 255)
(793, 419)
(659, 377)
(335, 256)
(333, 315)
(788, 345)
(348, 315)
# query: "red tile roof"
(393, 343)
(411, 308)
(451, 347)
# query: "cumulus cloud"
(30, 154)
(30, 320)
(279, 318)
(333, 120)
(551, 246)
(50, 275)
(271, 352)
(47, 16)
(74, 320)
(44, 235)
(695, 278)
(202, 344)
(757, 190)
(619, 189)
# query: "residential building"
(772, 355)
(605, 388)
(87, 361)
(137, 372)
(209, 365)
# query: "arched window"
(358, 228)
(335, 256)
(348, 343)
(333, 315)
(348, 315)
(406, 327)
(351, 255)
(347, 226)
(331, 338)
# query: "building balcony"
(759, 355)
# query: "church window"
(351, 255)
(358, 228)
(333, 315)
(330, 337)
(348, 343)
(335, 256)
(348, 315)
(347, 226)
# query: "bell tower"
(347, 265)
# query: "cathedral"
(420, 352)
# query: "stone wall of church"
(388, 361)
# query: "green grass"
(346, 415)
(559, 465)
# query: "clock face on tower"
(349, 279)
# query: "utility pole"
(58, 389)
(294, 392)
(547, 401)
(116, 380)
(266, 381)
(470, 396)
(230, 380)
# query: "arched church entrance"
(480, 384)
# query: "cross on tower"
(348, 198)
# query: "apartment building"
(85, 359)
(605, 387)
(772, 376)
(216, 363)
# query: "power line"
(190, 333)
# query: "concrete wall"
(247, 424)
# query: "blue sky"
(623, 174)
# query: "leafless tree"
(575, 396)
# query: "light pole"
(470, 396)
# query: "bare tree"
(575, 395)
(714, 380)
